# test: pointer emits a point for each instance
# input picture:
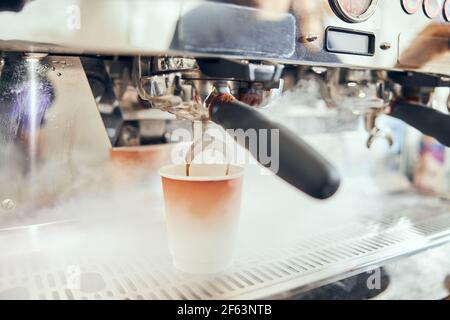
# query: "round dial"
(432, 8)
(447, 10)
(355, 10)
(411, 6)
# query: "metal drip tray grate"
(259, 272)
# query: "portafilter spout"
(365, 92)
(374, 131)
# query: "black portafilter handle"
(299, 164)
(12, 5)
(425, 119)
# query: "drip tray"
(80, 260)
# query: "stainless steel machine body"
(78, 77)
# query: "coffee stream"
(198, 145)
(201, 142)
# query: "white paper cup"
(202, 214)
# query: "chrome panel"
(50, 130)
(139, 27)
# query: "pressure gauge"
(354, 10)
(432, 8)
(447, 11)
(411, 6)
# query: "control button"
(411, 6)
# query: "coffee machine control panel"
(356, 11)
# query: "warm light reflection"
(33, 113)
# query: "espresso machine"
(84, 80)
